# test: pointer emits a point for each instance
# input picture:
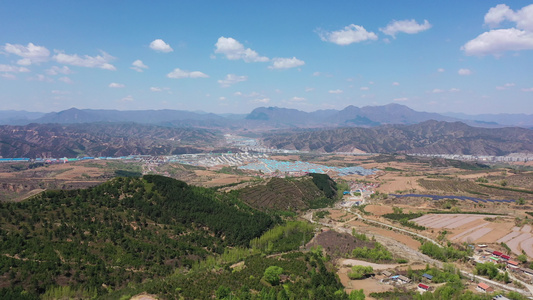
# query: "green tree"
(272, 274)
(357, 295)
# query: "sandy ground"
(348, 262)
(337, 214)
(369, 285)
(144, 297)
(404, 239)
(378, 210)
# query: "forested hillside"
(124, 231)
(313, 191)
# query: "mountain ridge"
(266, 117)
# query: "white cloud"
(235, 50)
(286, 63)
(297, 99)
(42, 78)
(523, 18)
(405, 26)
(116, 85)
(66, 80)
(160, 46)
(237, 94)
(349, 35)
(30, 54)
(439, 91)
(396, 83)
(400, 99)
(497, 41)
(337, 91)
(440, 70)
(316, 73)
(464, 72)
(178, 74)
(138, 66)
(8, 76)
(231, 79)
(527, 89)
(309, 89)
(222, 98)
(505, 86)
(99, 61)
(55, 70)
(128, 98)
(261, 100)
(155, 89)
(13, 69)
(58, 92)
(364, 88)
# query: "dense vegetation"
(444, 253)
(282, 238)
(291, 194)
(404, 219)
(303, 276)
(124, 231)
(371, 250)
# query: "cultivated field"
(482, 229)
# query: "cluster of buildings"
(513, 157)
(485, 254)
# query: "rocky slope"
(429, 137)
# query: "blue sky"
(232, 56)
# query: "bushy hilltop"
(101, 139)
(125, 230)
(291, 194)
(160, 236)
(428, 137)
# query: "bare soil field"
(372, 230)
(378, 210)
(369, 285)
(337, 244)
(483, 229)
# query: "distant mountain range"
(101, 139)
(266, 118)
(430, 137)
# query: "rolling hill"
(430, 137)
(101, 139)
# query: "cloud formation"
(30, 54)
(337, 91)
(99, 61)
(464, 72)
(116, 85)
(178, 74)
(233, 50)
(348, 35)
(498, 41)
(160, 46)
(55, 70)
(231, 79)
(138, 66)
(13, 69)
(286, 63)
(405, 26)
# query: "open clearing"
(484, 229)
